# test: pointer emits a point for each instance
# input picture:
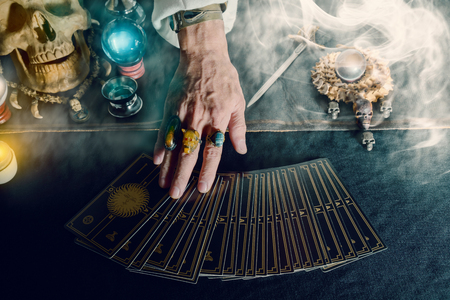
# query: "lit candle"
(8, 163)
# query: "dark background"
(402, 186)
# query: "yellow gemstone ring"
(191, 139)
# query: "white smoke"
(415, 34)
(412, 36)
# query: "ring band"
(172, 133)
(216, 139)
(191, 139)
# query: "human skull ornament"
(46, 42)
(75, 105)
(386, 108)
(363, 112)
(333, 109)
(368, 140)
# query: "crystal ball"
(124, 41)
(350, 65)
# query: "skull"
(386, 108)
(363, 112)
(46, 42)
(75, 105)
(368, 140)
(333, 109)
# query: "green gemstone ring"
(172, 133)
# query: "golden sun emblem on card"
(128, 200)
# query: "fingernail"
(157, 160)
(175, 193)
(242, 146)
(202, 187)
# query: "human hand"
(206, 95)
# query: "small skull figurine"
(333, 109)
(363, 112)
(75, 105)
(368, 140)
(386, 108)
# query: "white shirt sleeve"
(165, 8)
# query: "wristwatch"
(185, 18)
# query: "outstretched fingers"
(187, 159)
(211, 159)
(237, 130)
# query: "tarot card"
(109, 220)
(307, 218)
(346, 249)
(131, 255)
(287, 215)
(272, 232)
(301, 249)
(245, 217)
(190, 269)
(284, 247)
(167, 246)
(329, 242)
(218, 246)
(250, 268)
(178, 257)
(261, 244)
(374, 242)
(153, 242)
(370, 235)
(85, 244)
(230, 253)
(198, 254)
(357, 239)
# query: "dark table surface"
(402, 186)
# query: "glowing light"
(4, 151)
(124, 42)
(8, 163)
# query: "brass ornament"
(128, 200)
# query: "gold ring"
(191, 139)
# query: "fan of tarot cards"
(250, 224)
